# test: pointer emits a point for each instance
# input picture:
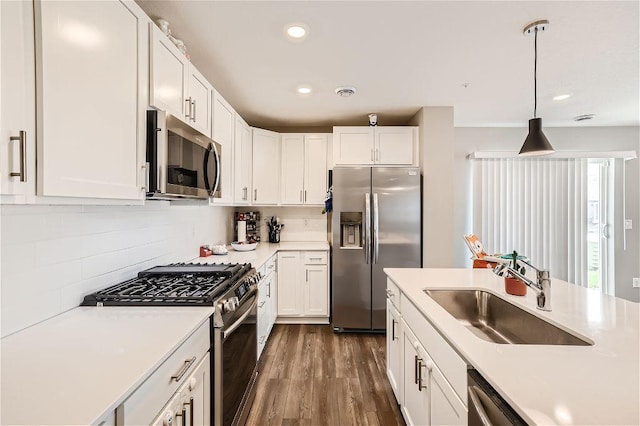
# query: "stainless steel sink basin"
(494, 319)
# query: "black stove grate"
(171, 285)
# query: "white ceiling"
(402, 55)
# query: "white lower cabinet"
(303, 286)
(446, 407)
(415, 402)
(427, 376)
(265, 309)
(184, 375)
(394, 350)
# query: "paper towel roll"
(242, 230)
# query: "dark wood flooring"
(311, 376)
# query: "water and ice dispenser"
(351, 230)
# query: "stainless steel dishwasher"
(486, 406)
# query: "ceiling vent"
(584, 117)
(346, 91)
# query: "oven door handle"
(236, 324)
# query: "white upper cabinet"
(92, 75)
(17, 101)
(292, 183)
(394, 145)
(266, 167)
(304, 168)
(223, 133)
(242, 162)
(353, 145)
(315, 168)
(169, 70)
(379, 145)
(199, 101)
(177, 87)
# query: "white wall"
(436, 136)
(468, 140)
(300, 223)
(54, 255)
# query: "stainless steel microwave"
(181, 162)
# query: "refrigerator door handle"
(367, 227)
(376, 246)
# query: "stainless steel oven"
(181, 161)
(235, 360)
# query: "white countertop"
(546, 384)
(262, 253)
(79, 366)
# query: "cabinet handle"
(305, 195)
(372, 158)
(390, 293)
(255, 195)
(377, 154)
(22, 138)
(393, 329)
(269, 287)
(182, 416)
(315, 258)
(188, 114)
(146, 166)
(420, 385)
(194, 111)
(307, 271)
(190, 404)
(184, 369)
(261, 305)
(415, 369)
(244, 193)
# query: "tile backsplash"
(300, 223)
(51, 256)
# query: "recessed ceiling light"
(562, 97)
(297, 31)
(346, 91)
(304, 90)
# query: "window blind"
(537, 207)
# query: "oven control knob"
(231, 304)
(168, 418)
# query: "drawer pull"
(184, 369)
(315, 258)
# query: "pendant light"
(536, 142)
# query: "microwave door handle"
(205, 168)
(216, 155)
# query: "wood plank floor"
(311, 376)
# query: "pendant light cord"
(535, 73)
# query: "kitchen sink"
(494, 319)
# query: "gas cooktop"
(178, 284)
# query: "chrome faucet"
(542, 285)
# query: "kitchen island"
(545, 384)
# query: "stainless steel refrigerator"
(376, 224)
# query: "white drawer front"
(315, 257)
(153, 394)
(393, 293)
(453, 367)
(271, 265)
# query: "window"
(555, 211)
